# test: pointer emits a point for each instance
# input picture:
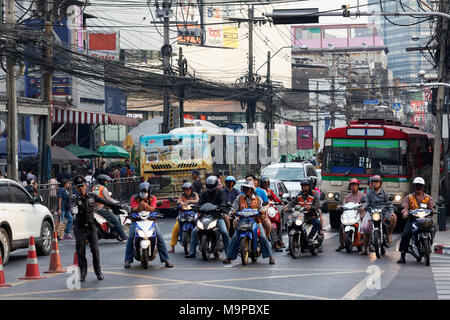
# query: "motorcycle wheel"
(314, 250)
(145, 257)
(426, 251)
(245, 246)
(205, 248)
(186, 241)
(294, 246)
(348, 241)
(376, 243)
(273, 238)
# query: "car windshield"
(282, 173)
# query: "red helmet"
(354, 180)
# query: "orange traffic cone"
(32, 271)
(55, 259)
(75, 260)
(2, 275)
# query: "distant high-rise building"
(397, 36)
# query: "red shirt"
(135, 203)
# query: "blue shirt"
(231, 195)
(64, 195)
(262, 194)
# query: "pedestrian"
(23, 178)
(53, 192)
(116, 172)
(31, 175)
(29, 187)
(219, 177)
(89, 178)
(64, 208)
(85, 229)
(100, 170)
(64, 174)
(197, 183)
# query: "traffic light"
(346, 12)
(293, 16)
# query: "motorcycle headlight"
(398, 197)
(330, 195)
(298, 222)
(200, 225)
(376, 216)
(271, 212)
(212, 225)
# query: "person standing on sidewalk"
(64, 208)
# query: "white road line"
(357, 290)
(444, 297)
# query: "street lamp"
(275, 55)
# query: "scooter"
(423, 231)
(248, 234)
(145, 245)
(351, 224)
(275, 219)
(379, 229)
(187, 219)
(209, 235)
(298, 231)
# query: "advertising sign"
(304, 137)
(418, 119)
(104, 45)
(115, 100)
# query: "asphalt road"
(330, 275)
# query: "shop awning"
(76, 116)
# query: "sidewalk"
(442, 240)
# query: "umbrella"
(61, 156)
(111, 151)
(25, 149)
(81, 152)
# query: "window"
(5, 195)
(19, 195)
(310, 171)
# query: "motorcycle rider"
(355, 196)
(145, 201)
(187, 197)
(215, 196)
(230, 191)
(412, 202)
(84, 226)
(249, 199)
(263, 195)
(377, 195)
(308, 199)
(101, 190)
(265, 185)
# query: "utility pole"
(12, 142)
(181, 66)
(333, 94)
(166, 52)
(443, 32)
(269, 107)
(316, 138)
(251, 105)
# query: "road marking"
(357, 290)
(440, 266)
(444, 297)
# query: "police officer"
(84, 226)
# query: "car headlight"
(212, 225)
(398, 197)
(200, 225)
(330, 195)
(376, 216)
(298, 222)
(271, 212)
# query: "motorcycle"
(298, 231)
(105, 229)
(145, 245)
(248, 234)
(351, 224)
(124, 220)
(379, 229)
(423, 231)
(187, 219)
(275, 219)
(209, 235)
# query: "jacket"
(86, 208)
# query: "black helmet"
(306, 181)
(79, 181)
(102, 178)
(211, 183)
(264, 182)
(145, 186)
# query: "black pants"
(81, 235)
(111, 217)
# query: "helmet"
(230, 178)
(354, 180)
(248, 184)
(264, 182)
(305, 181)
(102, 178)
(187, 185)
(377, 178)
(79, 181)
(211, 183)
(145, 186)
(419, 180)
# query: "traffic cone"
(2, 275)
(55, 259)
(75, 260)
(32, 271)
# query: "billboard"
(115, 100)
(304, 137)
(104, 45)
(189, 23)
(418, 108)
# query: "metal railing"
(121, 190)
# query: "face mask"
(143, 195)
(106, 184)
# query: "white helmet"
(419, 180)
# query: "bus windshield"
(366, 156)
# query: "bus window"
(384, 157)
(344, 156)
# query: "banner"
(104, 45)
(115, 100)
(304, 137)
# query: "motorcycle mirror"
(336, 198)
(322, 196)
(391, 198)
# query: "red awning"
(70, 115)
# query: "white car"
(22, 216)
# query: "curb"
(442, 249)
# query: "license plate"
(332, 206)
